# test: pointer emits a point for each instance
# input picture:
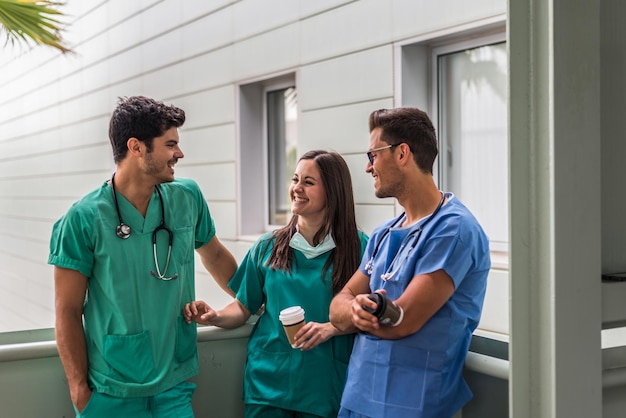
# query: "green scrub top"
(275, 373)
(137, 341)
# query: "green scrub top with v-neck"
(275, 373)
(137, 341)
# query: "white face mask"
(298, 242)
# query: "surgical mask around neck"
(298, 242)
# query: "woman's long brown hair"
(340, 222)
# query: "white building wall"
(54, 113)
(54, 109)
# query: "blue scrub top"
(137, 341)
(420, 375)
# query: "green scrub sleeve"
(248, 280)
(70, 244)
(205, 227)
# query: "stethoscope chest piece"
(122, 231)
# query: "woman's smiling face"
(307, 192)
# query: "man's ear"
(134, 146)
(405, 152)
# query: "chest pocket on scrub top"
(183, 244)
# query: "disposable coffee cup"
(292, 319)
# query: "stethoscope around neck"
(417, 233)
(123, 231)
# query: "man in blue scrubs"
(124, 264)
(432, 262)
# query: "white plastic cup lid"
(291, 315)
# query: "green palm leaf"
(32, 20)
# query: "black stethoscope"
(123, 231)
(417, 233)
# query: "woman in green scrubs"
(302, 264)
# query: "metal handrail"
(44, 349)
(476, 362)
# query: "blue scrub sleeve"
(451, 250)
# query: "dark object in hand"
(387, 312)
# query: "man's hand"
(80, 396)
(361, 318)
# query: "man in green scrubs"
(124, 264)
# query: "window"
(282, 139)
(471, 102)
(463, 85)
(268, 138)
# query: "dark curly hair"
(142, 118)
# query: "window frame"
(499, 256)
(253, 153)
(451, 47)
(417, 81)
(279, 85)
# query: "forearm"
(420, 301)
(387, 332)
(219, 262)
(231, 316)
(336, 331)
(222, 276)
(70, 339)
(341, 313)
